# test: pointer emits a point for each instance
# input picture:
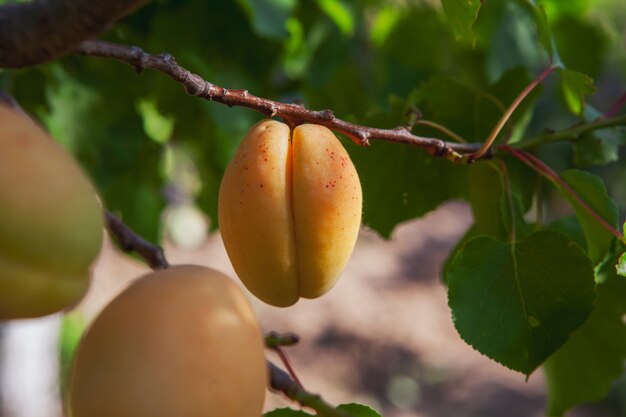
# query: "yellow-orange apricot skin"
(180, 342)
(289, 211)
(51, 223)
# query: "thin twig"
(442, 129)
(285, 360)
(573, 133)
(538, 166)
(507, 115)
(294, 113)
(130, 242)
(281, 381)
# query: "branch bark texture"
(38, 31)
(291, 113)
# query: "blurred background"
(384, 335)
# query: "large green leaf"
(518, 303)
(585, 367)
(593, 192)
(412, 184)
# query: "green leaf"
(339, 14)
(600, 147)
(621, 265)
(420, 183)
(570, 227)
(384, 22)
(592, 190)
(543, 26)
(584, 368)
(573, 35)
(486, 195)
(359, 410)
(269, 16)
(158, 127)
(462, 14)
(459, 106)
(576, 86)
(518, 303)
(95, 118)
(286, 412)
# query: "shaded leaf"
(462, 14)
(584, 369)
(518, 303)
(599, 147)
(402, 183)
(543, 26)
(486, 193)
(269, 16)
(592, 190)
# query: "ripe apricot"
(180, 342)
(289, 211)
(51, 224)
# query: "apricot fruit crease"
(289, 211)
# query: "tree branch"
(130, 242)
(41, 30)
(281, 381)
(573, 133)
(292, 113)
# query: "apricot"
(180, 342)
(51, 223)
(289, 211)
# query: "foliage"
(527, 285)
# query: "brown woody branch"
(40, 30)
(280, 380)
(291, 113)
(131, 242)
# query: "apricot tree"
(493, 103)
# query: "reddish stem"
(616, 107)
(538, 166)
(283, 357)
